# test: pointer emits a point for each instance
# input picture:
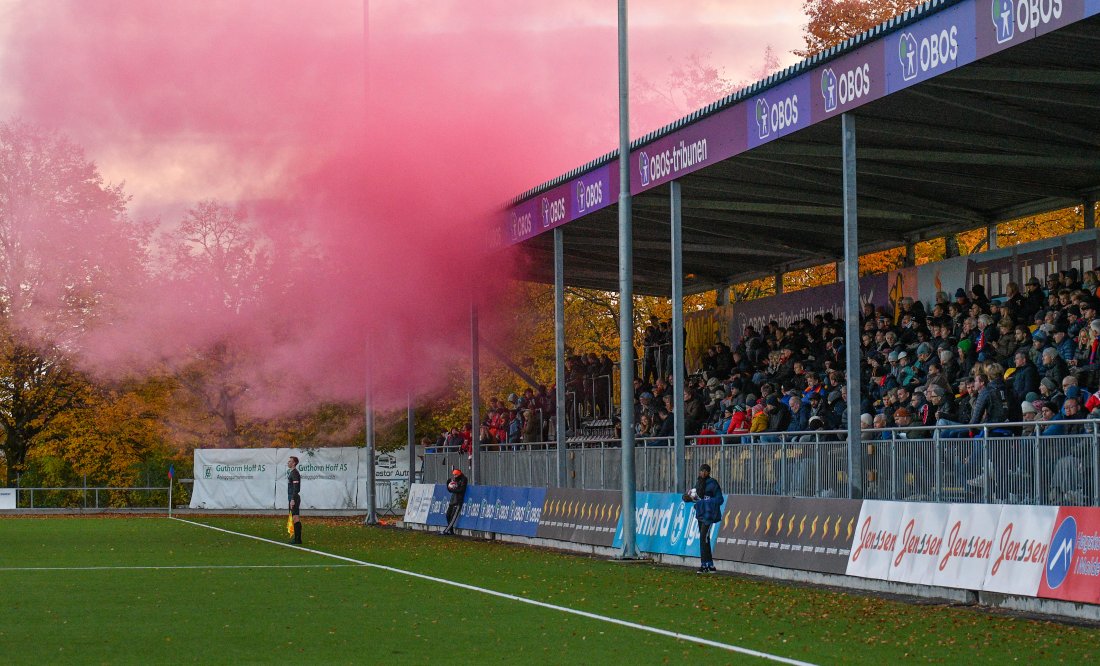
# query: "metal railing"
(91, 497)
(1010, 463)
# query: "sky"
(393, 177)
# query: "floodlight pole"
(851, 306)
(678, 419)
(626, 300)
(411, 432)
(475, 399)
(559, 356)
(372, 515)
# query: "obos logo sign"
(590, 195)
(848, 87)
(643, 166)
(552, 211)
(929, 53)
(521, 225)
(1011, 17)
(774, 118)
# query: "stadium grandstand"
(977, 374)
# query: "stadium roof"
(968, 112)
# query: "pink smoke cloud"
(373, 206)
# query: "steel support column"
(851, 306)
(991, 236)
(410, 432)
(1090, 214)
(678, 338)
(475, 399)
(559, 356)
(626, 300)
(368, 406)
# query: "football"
(452, 485)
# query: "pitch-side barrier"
(1039, 558)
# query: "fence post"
(937, 449)
(893, 467)
(987, 466)
(1095, 470)
(1036, 467)
(782, 490)
(752, 468)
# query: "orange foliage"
(833, 21)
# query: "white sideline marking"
(182, 566)
(525, 600)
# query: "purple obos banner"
(712, 139)
(580, 516)
(848, 82)
(1005, 23)
(788, 532)
(779, 111)
(930, 47)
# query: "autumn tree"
(834, 21)
(67, 251)
(221, 266)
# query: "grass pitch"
(151, 590)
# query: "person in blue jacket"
(707, 495)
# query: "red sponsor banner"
(1072, 571)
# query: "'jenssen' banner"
(502, 510)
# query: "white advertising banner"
(7, 498)
(967, 545)
(391, 478)
(877, 531)
(420, 503)
(328, 477)
(920, 543)
(1020, 548)
(236, 478)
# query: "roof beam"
(1008, 113)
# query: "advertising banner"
(237, 478)
(806, 303)
(849, 81)
(1072, 571)
(877, 535)
(391, 478)
(788, 532)
(700, 144)
(1005, 23)
(1019, 549)
(967, 546)
(580, 516)
(7, 498)
(930, 47)
(665, 523)
(503, 510)
(920, 543)
(420, 503)
(328, 477)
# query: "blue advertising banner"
(666, 524)
(503, 510)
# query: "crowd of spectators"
(969, 363)
(521, 419)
